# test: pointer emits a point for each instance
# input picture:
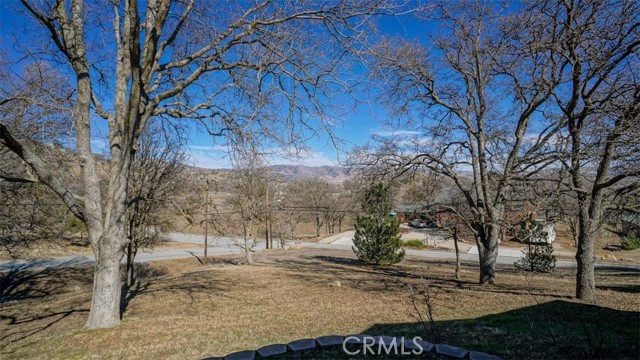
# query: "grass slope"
(186, 310)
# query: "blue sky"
(353, 129)
(356, 129)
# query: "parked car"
(418, 224)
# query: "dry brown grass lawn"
(190, 311)
(608, 235)
(40, 249)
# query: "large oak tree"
(254, 72)
(472, 95)
(597, 44)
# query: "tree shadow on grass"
(339, 260)
(390, 278)
(351, 272)
(553, 330)
(633, 289)
(64, 292)
(189, 284)
(128, 293)
(46, 321)
(24, 283)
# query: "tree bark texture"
(105, 300)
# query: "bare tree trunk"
(105, 302)
(247, 252)
(455, 243)
(573, 227)
(488, 254)
(331, 226)
(488, 257)
(585, 276)
(589, 221)
(131, 256)
(318, 225)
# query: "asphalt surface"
(225, 245)
(217, 246)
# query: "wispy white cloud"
(534, 138)
(210, 160)
(208, 147)
(308, 158)
(392, 132)
(418, 141)
(216, 157)
(210, 156)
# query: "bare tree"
(33, 103)
(31, 217)
(315, 195)
(476, 90)
(597, 44)
(419, 188)
(289, 212)
(281, 227)
(455, 218)
(248, 203)
(155, 176)
(248, 71)
(337, 206)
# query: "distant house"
(433, 215)
(630, 224)
(549, 229)
(408, 212)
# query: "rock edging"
(333, 341)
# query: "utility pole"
(269, 239)
(270, 230)
(206, 222)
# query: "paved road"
(507, 256)
(77, 260)
(224, 246)
(445, 255)
(217, 246)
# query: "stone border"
(332, 341)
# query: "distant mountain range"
(333, 174)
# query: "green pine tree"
(377, 240)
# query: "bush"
(377, 240)
(630, 242)
(74, 225)
(413, 243)
(538, 258)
